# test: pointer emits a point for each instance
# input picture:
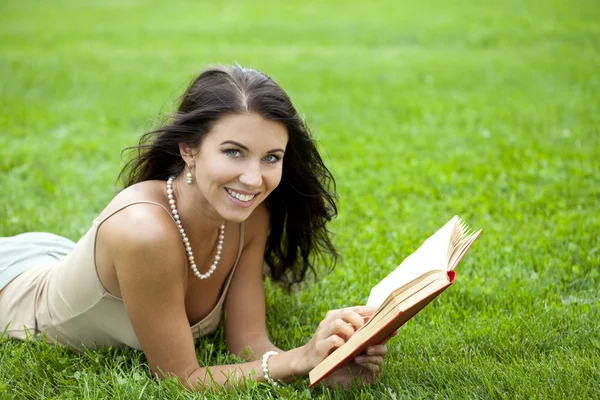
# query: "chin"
(236, 217)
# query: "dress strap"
(237, 259)
(100, 221)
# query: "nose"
(251, 176)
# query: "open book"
(405, 291)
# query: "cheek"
(218, 172)
(222, 176)
(273, 178)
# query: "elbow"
(249, 347)
(244, 352)
(242, 348)
(186, 377)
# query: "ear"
(187, 153)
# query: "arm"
(245, 325)
(150, 267)
(245, 322)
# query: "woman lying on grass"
(232, 181)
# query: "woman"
(231, 181)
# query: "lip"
(242, 191)
(239, 203)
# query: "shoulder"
(143, 234)
(143, 223)
(146, 246)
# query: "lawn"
(423, 110)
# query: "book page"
(397, 297)
(392, 317)
(403, 292)
(432, 255)
(461, 248)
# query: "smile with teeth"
(239, 196)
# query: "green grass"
(423, 110)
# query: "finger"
(346, 314)
(353, 317)
(336, 327)
(373, 368)
(369, 378)
(365, 311)
(324, 347)
(362, 360)
(342, 328)
(377, 350)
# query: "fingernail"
(359, 359)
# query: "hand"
(335, 329)
(362, 370)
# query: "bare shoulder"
(143, 223)
(144, 232)
(145, 216)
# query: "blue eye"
(232, 153)
(271, 158)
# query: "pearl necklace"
(186, 241)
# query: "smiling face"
(239, 164)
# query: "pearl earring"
(189, 179)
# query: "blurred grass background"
(422, 110)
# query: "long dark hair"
(299, 207)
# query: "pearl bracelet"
(265, 368)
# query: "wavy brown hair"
(305, 199)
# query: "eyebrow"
(247, 149)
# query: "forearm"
(253, 347)
(285, 367)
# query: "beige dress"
(66, 301)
